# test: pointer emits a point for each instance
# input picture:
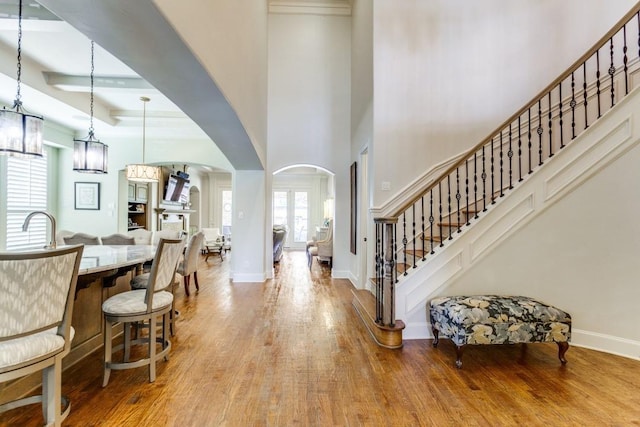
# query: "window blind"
(26, 192)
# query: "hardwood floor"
(292, 351)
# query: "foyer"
(292, 351)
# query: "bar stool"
(140, 306)
(35, 329)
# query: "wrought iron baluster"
(625, 60)
(492, 174)
(501, 166)
(449, 205)
(529, 138)
(519, 148)
(394, 258)
(612, 71)
(573, 105)
(510, 156)
(413, 233)
(584, 94)
(540, 132)
(424, 252)
(379, 269)
(458, 195)
(484, 181)
(440, 211)
(560, 116)
(550, 128)
(475, 183)
(466, 182)
(598, 81)
(431, 218)
(404, 240)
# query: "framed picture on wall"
(354, 207)
(87, 196)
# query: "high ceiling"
(132, 39)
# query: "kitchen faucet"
(52, 240)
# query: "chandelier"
(142, 172)
(89, 154)
(20, 132)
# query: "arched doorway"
(303, 200)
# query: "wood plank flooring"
(292, 351)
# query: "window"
(26, 192)
(227, 215)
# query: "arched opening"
(302, 201)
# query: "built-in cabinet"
(138, 196)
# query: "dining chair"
(141, 236)
(117, 240)
(189, 265)
(81, 238)
(36, 306)
(143, 306)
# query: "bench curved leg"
(459, 349)
(436, 338)
(562, 349)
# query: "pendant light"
(20, 133)
(89, 154)
(142, 172)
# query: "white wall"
(309, 107)
(447, 72)
(229, 38)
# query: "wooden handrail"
(598, 45)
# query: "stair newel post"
(379, 271)
(387, 303)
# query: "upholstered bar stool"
(189, 265)
(143, 306)
(36, 306)
(81, 238)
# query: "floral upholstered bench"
(492, 319)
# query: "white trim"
(614, 345)
(336, 7)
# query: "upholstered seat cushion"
(140, 281)
(132, 302)
(491, 319)
(32, 347)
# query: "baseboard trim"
(606, 343)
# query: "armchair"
(279, 238)
(323, 249)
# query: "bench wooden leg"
(436, 338)
(459, 349)
(562, 349)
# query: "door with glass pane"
(291, 208)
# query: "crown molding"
(290, 7)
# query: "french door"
(291, 208)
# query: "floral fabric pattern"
(492, 319)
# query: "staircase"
(530, 161)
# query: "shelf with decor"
(137, 207)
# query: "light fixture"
(89, 154)
(142, 172)
(20, 133)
